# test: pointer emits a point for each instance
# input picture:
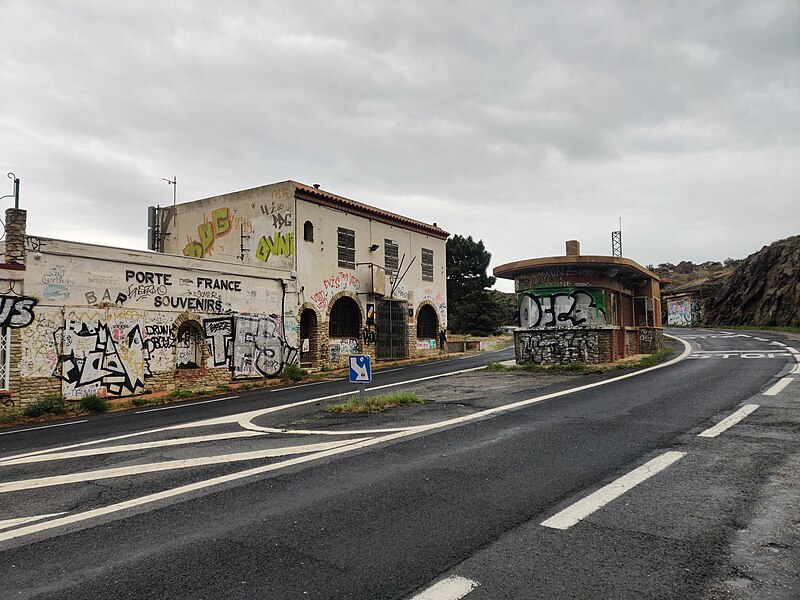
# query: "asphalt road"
(224, 500)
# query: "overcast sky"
(520, 123)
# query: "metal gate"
(391, 322)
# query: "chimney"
(573, 248)
(15, 235)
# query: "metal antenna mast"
(616, 241)
(174, 184)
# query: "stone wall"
(631, 341)
(560, 346)
(650, 340)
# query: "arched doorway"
(427, 323)
(309, 349)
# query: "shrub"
(376, 403)
(53, 404)
(10, 415)
(94, 404)
(293, 372)
(496, 366)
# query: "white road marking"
(775, 389)
(575, 513)
(151, 498)
(388, 370)
(294, 387)
(735, 351)
(729, 421)
(43, 427)
(760, 339)
(779, 344)
(168, 465)
(139, 412)
(451, 588)
(22, 520)
(236, 417)
(129, 447)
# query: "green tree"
(471, 307)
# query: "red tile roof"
(323, 198)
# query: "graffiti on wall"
(208, 232)
(16, 312)
(561, 308)
(248, 345)
(683, 312)
(275, 245)
(103, 353)
(40, 343)
(342, 347)
(333, 285)
(556, 276)
(159, 342)
(559, 347)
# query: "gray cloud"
(521, 123)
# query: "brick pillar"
(16, 221)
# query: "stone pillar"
(16, 221)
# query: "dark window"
(347, 248)
(188, 346)
(345, 318)
(390, 257)
(308, 231)
(427, 324)
(427, 264)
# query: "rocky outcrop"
(763, 290)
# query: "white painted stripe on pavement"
(130, 447)
(779, 344)
(245, 416)
(729, 421)
(139, 412)
(186, 489)
(575, 513)
(22, 520)
(168, 465)
(735, 351)
(451, 588)
(775, 389)
(43, 427)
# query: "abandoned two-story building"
(239, 286)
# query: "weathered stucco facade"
(584, 309)
(243, 284)
(390, 266)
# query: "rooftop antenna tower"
(616, 241)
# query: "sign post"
(360, 373)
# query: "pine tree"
(470, 306)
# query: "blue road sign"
(360, 369)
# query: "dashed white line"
(775, 389)
(729, 421)
(451, 588)
(43, 427)
(139, 412)
(575, 513)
